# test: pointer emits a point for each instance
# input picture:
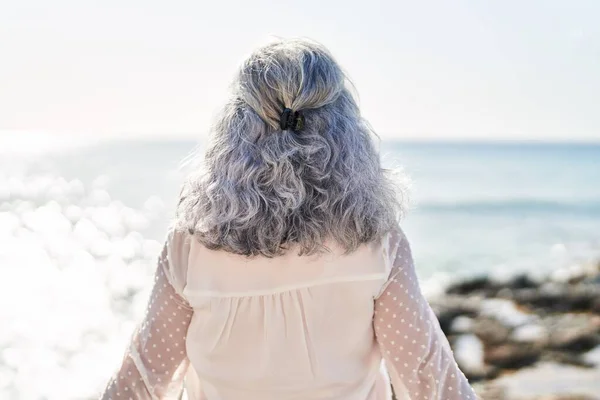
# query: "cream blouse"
(302, 328)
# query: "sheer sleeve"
(416, 352)
(155, 363)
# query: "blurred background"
(491, 108)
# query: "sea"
(81, 225)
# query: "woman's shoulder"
(393, 238)
(177, 250)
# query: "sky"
(424, 70)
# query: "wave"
(528, 206)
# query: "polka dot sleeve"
(156, 362)
(416, 352)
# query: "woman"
(286, 275)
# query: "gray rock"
(550, 381)
(566, 358)
(451, 306)
(553, 297)
(490, 330)
(522, 338)
(573, 332)
(470, 286)
(512, 355)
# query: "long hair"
(261, 190)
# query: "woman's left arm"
(155, 363)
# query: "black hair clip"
(292, 120)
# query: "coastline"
(524, 337)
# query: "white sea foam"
(75, 275)
(505, 312)
(593, 356)
(468, 352)
(530, 333)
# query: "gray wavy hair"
(261, 190)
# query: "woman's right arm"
(414, 347)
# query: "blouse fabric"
(293, 327)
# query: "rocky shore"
(524, 338)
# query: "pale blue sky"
(424, 69)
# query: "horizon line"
(24, 136)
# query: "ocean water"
(81, 226)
